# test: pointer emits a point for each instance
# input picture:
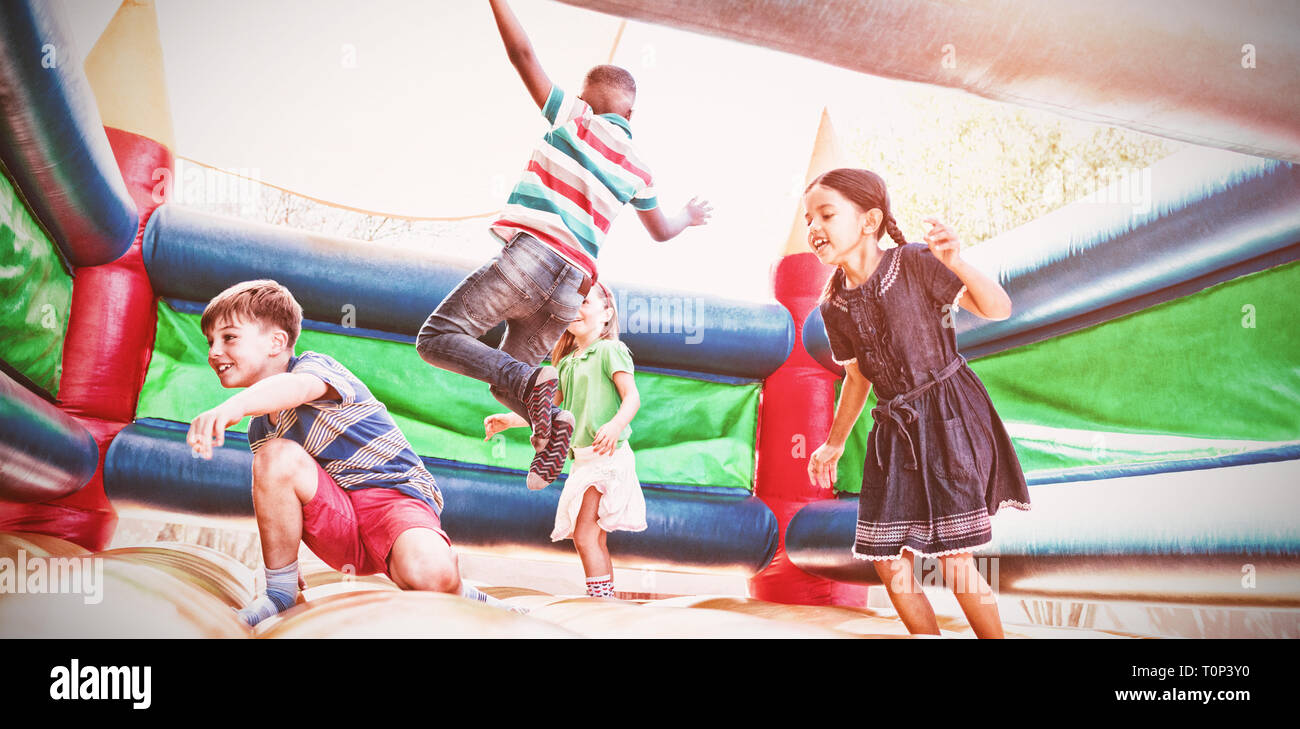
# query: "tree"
(984, 167)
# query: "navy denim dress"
(939, 461)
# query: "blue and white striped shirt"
(353, 438)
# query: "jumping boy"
(579, 177)
(330, 467)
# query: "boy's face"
(245, 352)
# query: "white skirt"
(622, 506)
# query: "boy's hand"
(698, 211)
(209, 429)
(662, 228)
(943, 243)
(606, 439)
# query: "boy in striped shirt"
(581, 174)
(330, 467)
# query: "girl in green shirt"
(602, 493)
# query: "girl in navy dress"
(939, 461)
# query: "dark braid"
(891, 227)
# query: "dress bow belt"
(898, 411)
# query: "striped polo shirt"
(353, 438)
(579, 176)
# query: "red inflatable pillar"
(113, 317)
(795, 412)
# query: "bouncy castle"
(1149, 376)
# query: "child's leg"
(973, 594)
(528, 285)
(589, 539)
(284, 479)
(529, 340)
(421, 557)
(449, 337)
(905, 593)
(422, 560)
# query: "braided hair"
(866, 190)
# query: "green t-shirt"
(587, 383)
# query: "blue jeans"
(530, 288)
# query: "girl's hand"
(209, 429)
(822, 465)
(494, 424)
(606, 439)
(943, 243)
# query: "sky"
(412, 108)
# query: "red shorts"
(357, 528)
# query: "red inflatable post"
(795, 414)
(113, 316)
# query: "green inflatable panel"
(35, 295)
(687, 432)
(1212, 374)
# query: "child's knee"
(896, 574)
(424, 341)
(420, 563)
(431, 575)
(956, 562)
(279, 460)
(586, 537)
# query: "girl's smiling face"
(836, 227)
(592, 315)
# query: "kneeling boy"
(330, 467)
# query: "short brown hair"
(263, 301)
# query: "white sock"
(473, 593)
(600, 586)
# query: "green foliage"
(985, 167)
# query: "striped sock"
(281, 592)
(473, 593)
(470, 592)
(601, 586)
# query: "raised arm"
(662, 228)
(520, 51)
(278, 392)
(984, 297)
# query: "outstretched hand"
(943, 243)
(698, 211)
(208, 430)
(494, 424)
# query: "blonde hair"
(263, 301)
(568, 343)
